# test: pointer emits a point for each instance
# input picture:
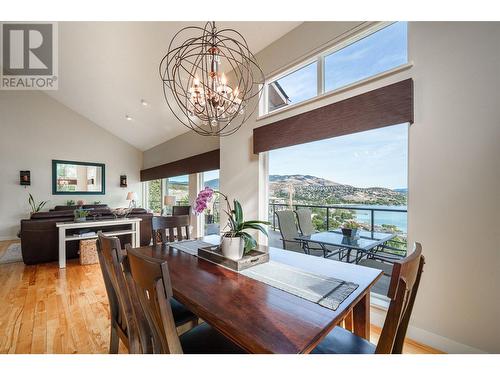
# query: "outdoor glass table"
(366, 243)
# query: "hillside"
(317, 190)
(312, 189)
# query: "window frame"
(201, 186)
(287, 72)
(319, 58)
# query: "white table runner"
(325, 291)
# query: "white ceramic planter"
(232, 247)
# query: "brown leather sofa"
(39, 234)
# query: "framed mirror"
(78, 178)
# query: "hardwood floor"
(44, 309)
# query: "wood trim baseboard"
(426, 338)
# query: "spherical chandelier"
(211, 80)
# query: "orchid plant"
(237, 226)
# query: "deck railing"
(398, 245)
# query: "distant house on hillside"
(277, 96)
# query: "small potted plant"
(235, 242)
(80, 215)
(35, 207)
(350, 228)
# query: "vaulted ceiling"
(107, 68)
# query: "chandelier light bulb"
(223, 79)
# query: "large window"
(376, 53)
(379, 50)
(156, 191)
(212, 214)
(361, 177)
(178, 187)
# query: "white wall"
(454, 171)
(454, 179)
(34, 129)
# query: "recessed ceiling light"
(144, 103)
(128, 118)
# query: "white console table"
(64, 226)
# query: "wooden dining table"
(256, 316)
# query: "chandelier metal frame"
(200, 93)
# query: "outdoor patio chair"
(288, 230)
(304, 219)
(380, 259)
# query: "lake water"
(399, 219)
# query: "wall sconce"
(25, 178)
(123, 180)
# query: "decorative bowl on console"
(121, 212)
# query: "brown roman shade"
(388, 105)
(194, 164)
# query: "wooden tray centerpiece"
(213, 254)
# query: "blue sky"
(371, 55)
(184, 178)
(210, 175)
(373, 158)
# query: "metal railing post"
(372, 219)
(274, 216)
(327, 218)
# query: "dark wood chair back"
(403, 289)
(169, 228)
(123, 321)
(181, 210)
(154, 291)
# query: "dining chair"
(402, 292)
(288, 230)
(122, 297)
(181, 210)
(123, 324)
(154, 290)
(169, 228)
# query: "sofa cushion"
(51, 215)
(85, 206)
